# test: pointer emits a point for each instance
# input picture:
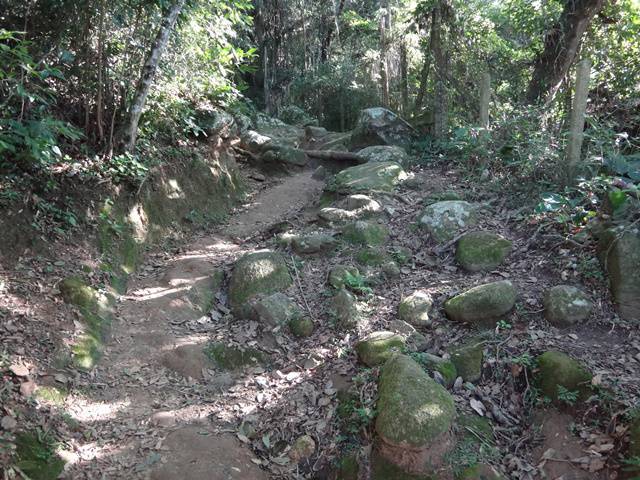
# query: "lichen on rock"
(481, 251)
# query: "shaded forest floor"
(155, 407)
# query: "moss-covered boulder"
(382, 176)
(227, 357)
(383, 469)
(565, 305)
(481, 251)
(256, 273)
(301, 327)
(302, 448)
(558, 372)
(468, 359)
(372, 257)
(621, 252)
(483, 305)
(276, 309)
(380, 126)
(365, 233)
(377, 347)
(414, 340)
(363, 205)
(415, 308)
(348, 468)
(37, 458)
(285, 154)
(385, 153)
(334, 215)
(344, 309)
(415, 416)
(313, 243)
(341, 276)
(444, 220)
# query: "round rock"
(565, 305)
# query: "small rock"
(362, 204)
(415, 308)
(345, 309)
(28, 388)
(483, 305)
(377, 347)
(303, 448)
(19, 369)
(482, 251)
(565, 305)
(558, 369)
(468, 360)
(301, 326)
(163, 419)
(391, 270)
(8, 423)
(365, 233)
(340, 274)
(445, 220)
(414, 340)
(276, 309)
(313, 243)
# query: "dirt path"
(149, 409)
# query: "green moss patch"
(561, 378)
(481, 251)
(36, 456)
(234, 358)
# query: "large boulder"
(415, 308)
(377, 347)
(379, 126)
(621, 255)
(483, 305)
(382, 176)
(445, 220)
(565, 305)
(385, 153)
(415, 417)
(557, 372)
(481, 251)
(262, 272)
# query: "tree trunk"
(424, 78)
(440, 62)
(485, 98)
(561, 46)
(148, 73)
(333, 26)
(404, 78)
(578, 109)
(385, 24)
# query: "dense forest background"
(109, 89)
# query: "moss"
(474, 445)
(402, 255)
(76, 292)
(345, 309)
(234, 358)
(54, 395)
(377, 347)
(565, 305)
(434, 363)
(467, 359)
(372, 257)
(257, 273)
(365, 233)
(413, 409)
(369, 176)
(382, 469)
(479, 471)
(348, 468)
(479, 251)
(483, 305)
(415, 308)
(301, 326)
(86, 351)
(556, 369)
(339, 276)
(203, 293)
(36, 457)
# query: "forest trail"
(158, 408)
(160, 330)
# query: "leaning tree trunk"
(561, 46)
(148, 73)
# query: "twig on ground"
(299, 283)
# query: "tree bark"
(561, 46)
(148, 73)
(578, 109)
(440, 62)
(404, 78)
(485, 97)
(325, 47)
(385, 25)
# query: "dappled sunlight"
(84, 410)
(153, 293)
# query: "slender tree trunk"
(385, 24)
(100, 88)
(325, 47)
(424, 79)
(440, 62)
(561, 46)
(485, 97)
(404, 78)
(148, 73)
(578, 109)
